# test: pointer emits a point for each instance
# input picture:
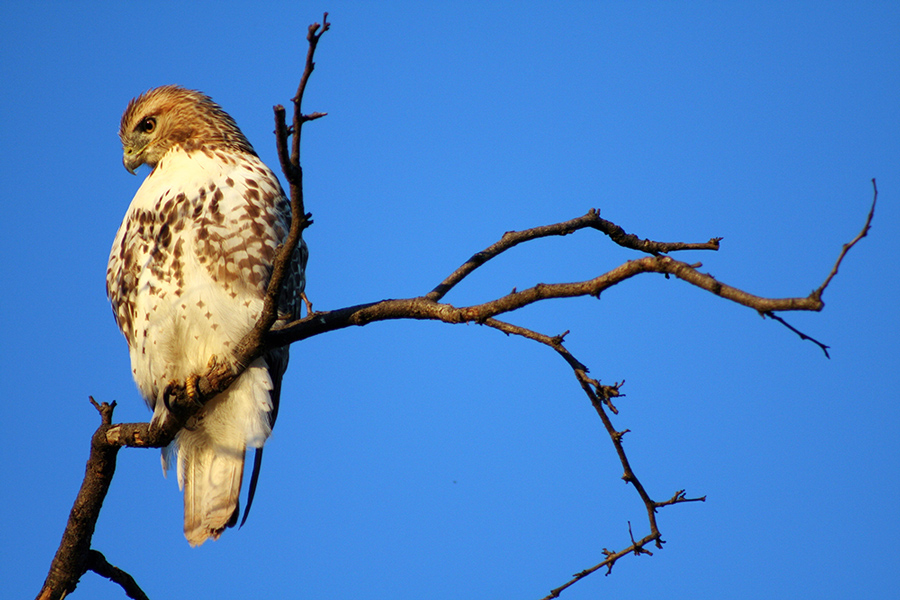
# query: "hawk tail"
(212, 486)
(211, 453)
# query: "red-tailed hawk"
(187, 276)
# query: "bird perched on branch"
(187, 276)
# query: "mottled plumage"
(187, 275)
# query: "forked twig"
(591, 220)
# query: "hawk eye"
(147, 125)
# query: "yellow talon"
(191, 388)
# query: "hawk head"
(169, 116)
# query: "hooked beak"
(131, 160)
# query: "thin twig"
(611, 558)
(851, 243)
(802, 335)
(599, 397)
(678, 498)
(312, 37)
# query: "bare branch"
(851, 243)
(423, 307)
(71, 559)
(802, 335)
(600, 396)
(555, 342)
(592, 220)
(281, 137)
(678, 498)
(312, 37)
(97, 563)
(611, 558)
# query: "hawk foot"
(191, 388)
(169, 394)
(309, 308)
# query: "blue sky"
(419, 460)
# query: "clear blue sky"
(417, 460)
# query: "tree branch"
(423, 307)
(98, 564)
(851, 243)
(590, 220)
(71, 559)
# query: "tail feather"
(254, 479)
(212, 486)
